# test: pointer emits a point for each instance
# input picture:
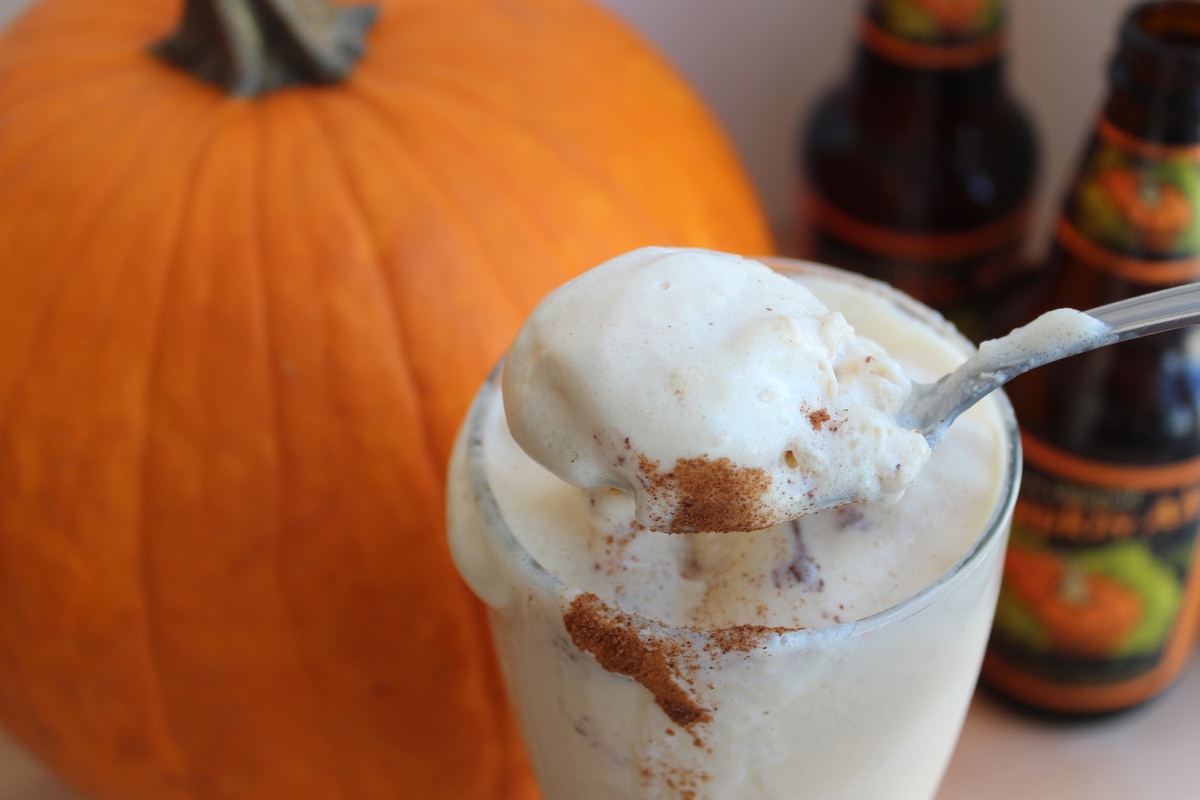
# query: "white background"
(761, 63)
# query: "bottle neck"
(979, 82)
(1131, 211)
(1154, 79)
(964, 63)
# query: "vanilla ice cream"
(836, 651)
(724, 395)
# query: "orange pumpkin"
(1086, 614)
(237, 335)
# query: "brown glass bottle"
(1100, 594)
(919, 168)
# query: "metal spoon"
(1057, 334)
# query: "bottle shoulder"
(894, 162)
(855, 116)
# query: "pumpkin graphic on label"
(1139, 206)
(1156, 212)
(1102, 604)
(1083, 614)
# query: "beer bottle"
(1100, 593)
(919, 169)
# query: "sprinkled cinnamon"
(708, 494)
(621, 644)
(818, 418)
(626, 644)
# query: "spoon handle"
(1163, 310)
(931, 408)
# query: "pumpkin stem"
(251, 47)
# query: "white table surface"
(1151, 753)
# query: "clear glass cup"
(864, 709)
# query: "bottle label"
(935, 34)
(1133, 209)
(1098, 606)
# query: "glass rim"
(518, 557)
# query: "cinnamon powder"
(621, 644)
(626, 644)
(708, 494)
(818, 418)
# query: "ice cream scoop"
(725, 396)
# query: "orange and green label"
(1134, 208)
(1098, 605)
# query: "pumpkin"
(1154, 213)
(1085, 614)
(238, 329)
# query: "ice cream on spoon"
(724, 395)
